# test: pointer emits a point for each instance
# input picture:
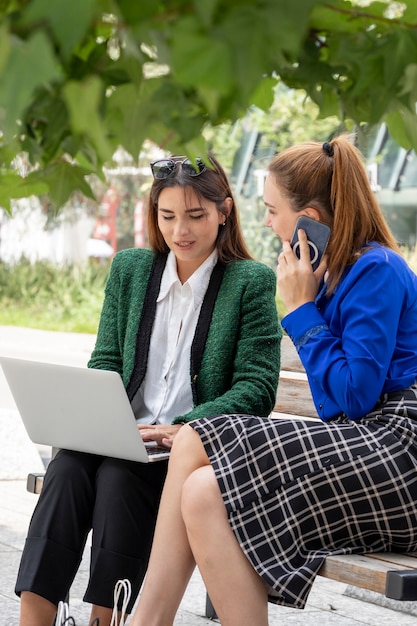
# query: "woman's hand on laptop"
(162, 434)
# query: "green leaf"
(205, 10)
(46, 126)
(158, 110)
(30, 64)
(250, 61)
(398, 51)
(329, 102)
(338, 16)
(136, 11)
(84, 101)
(402, 126)
(195, 148)
(62, 179)
(286, 24)
(69, 20)
(13, 186)
(8, 152)
(197, 59)
(408, 81)
(128, 114)
(211, 100)
(410, 13)
(332, 17)
(410, 125)
(263, 96)
(4, 47)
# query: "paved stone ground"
(329, 604)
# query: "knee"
(112, 471)
(187, 450)
(200, 496)
(66, 468)
(185, 439)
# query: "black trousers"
(118, 500)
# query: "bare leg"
(238, 593)
(104, 614)
(35, 610)
(171, 563)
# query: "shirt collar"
(198, 281)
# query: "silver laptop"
(77, 408)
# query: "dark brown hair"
(332, 178)
(213, 185)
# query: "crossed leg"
(192, 528)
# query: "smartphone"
(317, 236)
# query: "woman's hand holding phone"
(297, 282)
(318, 235)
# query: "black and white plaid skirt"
(297, 491)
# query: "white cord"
(62, 613)
(121, 586)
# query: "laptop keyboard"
(155, 449)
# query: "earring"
(224, 223)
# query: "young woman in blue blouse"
(259, 504)
(191, 326)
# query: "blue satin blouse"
(362, 340)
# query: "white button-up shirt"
(166, 390)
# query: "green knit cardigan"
(240, 361)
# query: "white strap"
(62, 614)
(125, 587)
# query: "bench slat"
(289, 356)
(293, 394)
(403, 560)
(294, 397)
(359, 570)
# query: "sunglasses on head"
(164, 168)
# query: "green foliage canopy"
(79, 79)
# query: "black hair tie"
(328, 149)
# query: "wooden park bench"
(390, 574)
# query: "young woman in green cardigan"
(191, 326)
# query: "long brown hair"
(332, 178)
(213, 185)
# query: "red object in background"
(139, 225)
(105, 227)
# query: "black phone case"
(317, 235)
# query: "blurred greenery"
(67, 299)
(41, 295)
